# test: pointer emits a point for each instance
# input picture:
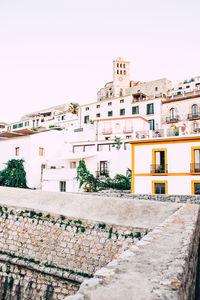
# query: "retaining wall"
(55, 252)
(162, 265)
(194, 199)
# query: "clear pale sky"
(57, 51)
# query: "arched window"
(194, 110)
(172, 114)
(121, 92)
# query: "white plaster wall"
(119, 161)
(178, 157)
(177, 185)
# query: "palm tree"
(73, 108)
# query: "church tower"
(121, 76)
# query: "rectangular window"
(20, 125)
(41, 151)
(27, 123)
(150, 109)
(195, 187)
(159, 161)
(122, 112)
(86, 119)
(73, 164)
(87, 108)
(195, 163)
(98, 106)
(17, 151)
(159, 188)
(152, 124)
(103, 168)
(135, 110)
(109, 103)
(98, 115)
(122, 101)
(14, 126)
(110, 113)
(62, 186)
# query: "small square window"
(122, 101)
(17, 151)
(41, 151)
(98, 106)
(87, 108)
(98, 115)
(73, 164)
(109, 103)
(110, 113)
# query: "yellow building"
(166, 165)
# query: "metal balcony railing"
(195, 168)
(172, 119)
(159, 169)
(158, 133)
(127, 130)
(107, 131)
(193, 116)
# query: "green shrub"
(14, 174)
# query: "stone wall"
(162, 265)
(194, 199)
(21, 282)
(56, 252)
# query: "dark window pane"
(162, 188)
(159, 188)
(197, 188)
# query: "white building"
(36, 149)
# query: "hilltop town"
(127, 114)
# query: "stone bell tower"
(121, 76)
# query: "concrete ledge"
(162, 265)
(127, 212)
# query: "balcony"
(107, 131)
(159, 169)
(172, 119)
(158, 133)
(195, 168)
(128, 130)
(194, 116)
(102, 173)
